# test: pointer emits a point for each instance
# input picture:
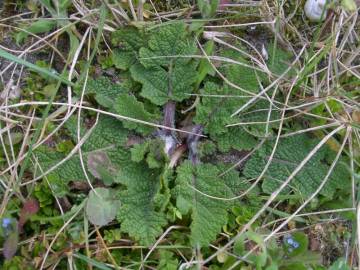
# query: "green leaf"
(128, 105)
(294, 266)
(166, 70)
(171, 43)
(218, 103)
(100, 166)
(101, 206)
(74, 43)
(208, 215)
(214, 113)
(259, 259)
(290, 152)
(207, 7)
(240, 73)
(236, 138)
(340, 264)
(138, 215)
(47, 4)
(13, 138)
(105, 91)
(130, 40)
(259, 112)
(123, 59)
(107, 137)
(37, 27)
(99, 265)
(167, 261)
(273, 266)
(239, 245)
(151, 151)
(138, 151)
(349, 5)
(205, 68)
(161, 85)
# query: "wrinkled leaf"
(129, 106)
(138, 215)
(161, 85)
(105, 91)
(208, 215)
(166, 71)
(290, 153)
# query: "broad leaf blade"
(101, 206)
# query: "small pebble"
(314, 9)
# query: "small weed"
(178, 135)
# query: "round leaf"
(102, 206)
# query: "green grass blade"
(103, 13)
(13, 58)
(92, 262)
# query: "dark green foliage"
(130, 41)
(215, 112)
(202, 193)
(167, 71)
(290, 152)
(104, 91)
(138, 215)
(167, 261)
(108, 136)
(168, 44)
(129, 106)
(219, 102)
(151, 151)
(160, 85)
(149, 188)
(240, 72)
